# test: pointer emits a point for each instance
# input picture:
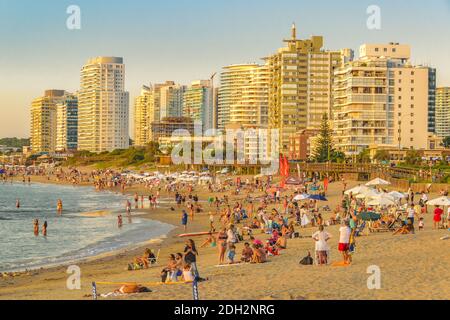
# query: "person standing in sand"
(184, 220)
(222, 244)
(438, 212)
(344, 241)
(321, 237)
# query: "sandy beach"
(412, 267)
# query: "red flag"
(286, 167)
(281, 165)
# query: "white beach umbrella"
(300, 197)
(397, 195)
(381, 201)
(442, 201)
(377, 182)
(357, 190)
(369, 193)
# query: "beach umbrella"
(369, 216)
(442, 201)
(381, 201)
(300, 197)
(397, 195)
(369, 193)
(317, 197)
(357, 190)
(377, 182)
(293, 181)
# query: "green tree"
(382, 155)
(324, 150)
(14, 142)
(338, 157)
(363, 156)
(413, 157)
(447, 142)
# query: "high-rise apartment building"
(143, 116)
(67, 124)
(103, 106)
(443, 112)
(44, 121)
(300, 91)
(198, 103)
(381, 99)
(243, 95)
(170, 100)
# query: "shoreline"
(142, 213)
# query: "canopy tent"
(370, 193)
(442, 201)
(397, 195)
(357, 190)
(377, 182)
(381, 201)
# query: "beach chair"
(154, 261)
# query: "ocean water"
(70, 237)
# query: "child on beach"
(247, 253)
(188, 276)
(421, 224)
(231, 254)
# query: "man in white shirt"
(344, 241)
(321, 237)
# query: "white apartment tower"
(103, 106)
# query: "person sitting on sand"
(188, 275)
(281, 242)
(259, 254)
(165, 271)
(271, 250)
(247, 253)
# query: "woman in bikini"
(222, 244)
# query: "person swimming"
(18, 204)
(59, 206)
(44, 229)
(36, 227)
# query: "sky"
(186, 40)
